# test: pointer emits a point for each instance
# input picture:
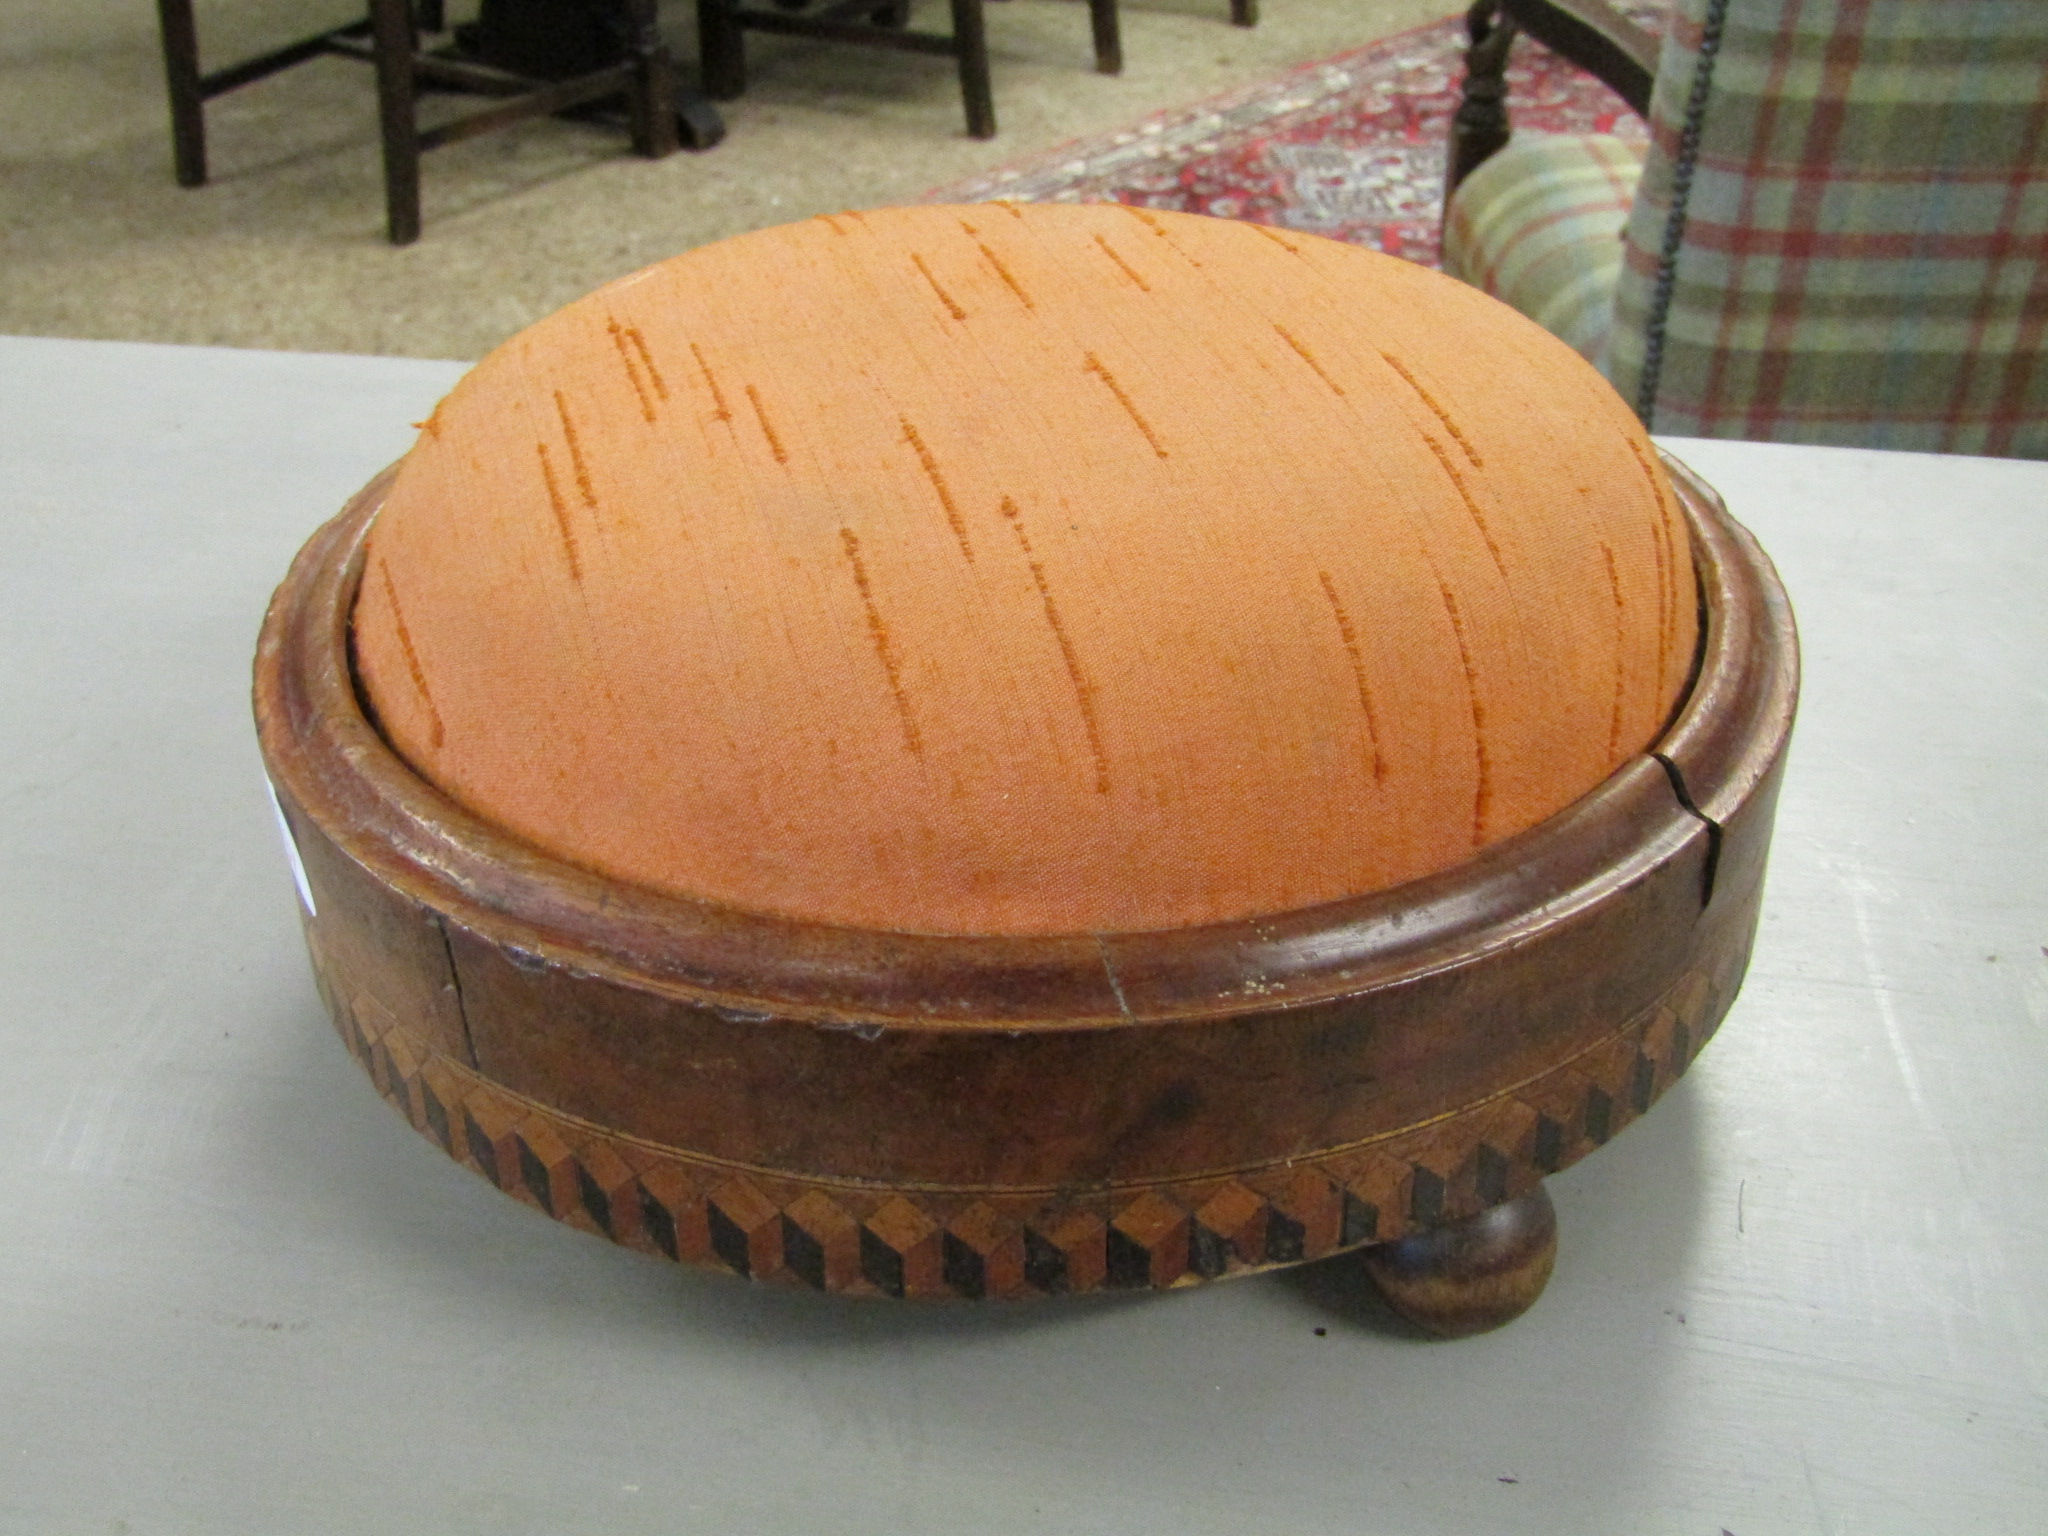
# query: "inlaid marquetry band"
(990, 1242)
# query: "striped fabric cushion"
(1849, 243)
(1539, 226)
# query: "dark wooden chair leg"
(652, 101)
(698, 124)
(391, 33)
(1473, 1275)
(188, 104)
(1109, 43)
(970, 39)
(721, 50)
(1244, 13)
(1480, 126)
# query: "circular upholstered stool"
(980, 752)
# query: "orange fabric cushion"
(1026, 569)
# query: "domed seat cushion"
(1016, 569)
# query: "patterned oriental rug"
(1351, 147)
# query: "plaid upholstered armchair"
(1836, 231)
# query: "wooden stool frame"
(388, 38)
(917, 1115)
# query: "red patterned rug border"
(1352, 147)
(1179, 132)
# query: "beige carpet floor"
(285, 248)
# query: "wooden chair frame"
(722, 26)
(1589, 33)
(389, 38)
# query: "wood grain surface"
(1470, 1276)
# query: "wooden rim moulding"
(917, 1115)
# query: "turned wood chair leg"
(1480, 126)
(188, 104)
(721, 51)
(1109, 44)
(1473, 1275)
(393, 39)
(970, 40)
(652, 101)
(1244, 13)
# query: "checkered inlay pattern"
(845, 1236)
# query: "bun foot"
(1473, 1275)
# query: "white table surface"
(1808, 1294)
